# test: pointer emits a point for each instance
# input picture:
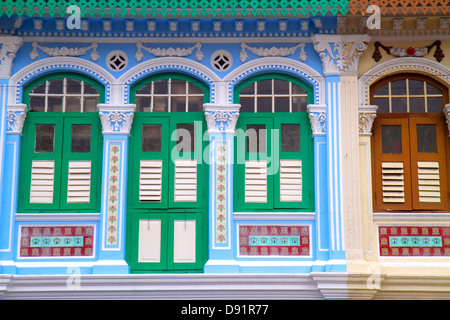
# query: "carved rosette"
(318, 118)
(447, 116)
(15, 118)
(340, 54)
(367, 115)
(221, 118)
(116, 119)
(10, 46)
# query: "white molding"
(396, 65)
(278, 64)
(367, 114)
(411, 216)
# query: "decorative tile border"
(113, 194)
(221, 193)
(401, 241)
(56, 241)
(274, 240)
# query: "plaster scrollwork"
(447, 116)
(340, 54)
(116, 119)
(64, 51)
(221, 118)
(15, 118)
(10, 46)
(170, 52)
(367, 114)
(272, 52)
(318, 118)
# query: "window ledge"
(401, 216)
(274, 216)
(57, 216)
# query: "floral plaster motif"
(221, 194)
(113, 194)
(409, 52)
(64, 51)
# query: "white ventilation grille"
(291, 180)
(393, 185)
(256, 181)
(150, 180)
(79, 182)
(429, 181)
(185, 180)
(42, 181)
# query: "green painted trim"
(70, 75)
(178, 76)
(274, 121)
(268, 76)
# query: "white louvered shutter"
(185, 181)
(393, 182)
(42, 181)
(290, 180)
(79, 182)
(429, 181)
(256, 181)
(150, 180)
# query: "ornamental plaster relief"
(318, 119)
(221, 118)
(170, 52)
(64, 51)
(273, 51)
(367, 115)
(15, 118)
(340, 53)
(10, 46)
(116, 119)
(447, 116)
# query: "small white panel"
(185, 180)
(184, 241)
(79, 182)
(150, 180)
(42, 181)
(256, 181)
(149, 241)
(393, 184)
(429, 181)
(291, 180)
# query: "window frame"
(410, 156)
(274, 120)
(62, 153)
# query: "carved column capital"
(116, 119)
(367, 113)
(317, 117)
(9, 48)
(447, 116)
(221, 118)
(340, 53)
(15, 118)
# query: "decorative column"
(367, 114)
(221, 121)
(12, 119)
(318, 118)
(340, 56)
(116, 123)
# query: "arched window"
(61, 145)
(410, 144)
(273, 150)
(168, 179)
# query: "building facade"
(295, 148)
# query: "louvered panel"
(185, 181)
(150, 180)
(79, 182)
(42, 181)
(256, 181)
(393, 185)
(429, 181)
(291, 180)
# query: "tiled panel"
(274, 240)
(403, 241)
(56, 241)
